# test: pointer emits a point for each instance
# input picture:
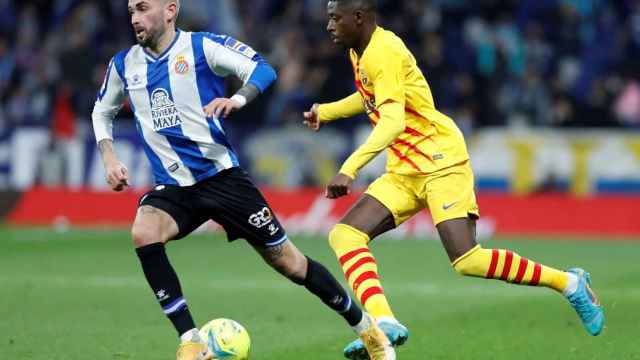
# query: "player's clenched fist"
(117, 175)
(221, 106)
(311, 118)
(339, 186)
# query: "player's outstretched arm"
(311, 118)
(348, 107)
(392, 123)
(225, 106)
(234, 57)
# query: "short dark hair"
(367, 5)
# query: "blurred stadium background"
(547, 93)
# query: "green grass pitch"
(81, 295)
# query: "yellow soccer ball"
(227, 339)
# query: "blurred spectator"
(627, 105)
(537, 49)
(488, 62)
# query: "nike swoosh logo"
(449, 206)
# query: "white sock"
(192, 335)
(364, 324)
(572, 284)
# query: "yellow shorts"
(447, 193)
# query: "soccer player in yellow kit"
(428, 168)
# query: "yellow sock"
(360, 268)
(510, 267)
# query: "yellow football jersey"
(387, 72)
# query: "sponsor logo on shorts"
(438, 157)
(273, 229)
(261, 218)
(449, 206)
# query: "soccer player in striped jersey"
(428, 167)
(175, 82)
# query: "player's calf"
(290, 262)
(510, 267)
(286, 259)
(165, 285)
(360, 268)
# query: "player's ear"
(358, 15)
(171, 11)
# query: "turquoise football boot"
(586, 304)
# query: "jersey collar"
(377, 31)
(166, 51)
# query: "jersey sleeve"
(229, 56)
(350, 106)
(388, 79)
(108, 103)
(391, 124)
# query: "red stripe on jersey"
(537, 271)
(413, 112)
(494, 264)
(367, 275)
(358, 264)
(360, 86)
(375, 290)
(507, 266)
(413, 132)
(404, 158)
(522, 269)
(414, 148)
(348, 256)
(407, 130)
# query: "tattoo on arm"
(105, 145)
(249, 91)
(273, 253)
(146, 209)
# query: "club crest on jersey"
(363, 77)
(163, 111)
(182, 66)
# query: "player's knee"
(334, 237)
(345, 236)
(144, 235)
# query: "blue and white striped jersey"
(168, 94)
